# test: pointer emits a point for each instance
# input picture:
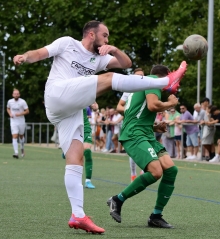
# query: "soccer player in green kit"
(138, 140)
(87, 144)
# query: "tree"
(148, 31)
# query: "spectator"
(191, 131)
(109, 131)
(216, 159)
(98, 142)
(159, 118)
(215, 119)
(205, 103)
(208, 133)
(88, 112)
(116, 120)
(101, 120)
(199, 116)
(170, 136)
(177, 133)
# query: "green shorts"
(88, 137)
(143, 151)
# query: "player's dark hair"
(160, 70)
(91, 25)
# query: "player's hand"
(173, 100)
(106, 49)
(161, 127)
(19, 59)
(12, 115)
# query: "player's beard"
(96, 45)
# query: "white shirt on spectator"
(114, 119)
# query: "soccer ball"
(195, 47)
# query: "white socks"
(134, 83)
(21, 142)
(15, 145)
(74, 188)
(132, 166)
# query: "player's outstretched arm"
(31, 56)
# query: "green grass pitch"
(34, 204)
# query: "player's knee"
(155, 168)
(157, 173)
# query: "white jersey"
(17, 106)
(125, 95)
(71, 59)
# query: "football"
(195, 47)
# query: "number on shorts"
(152, 152)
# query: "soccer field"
(34, 204)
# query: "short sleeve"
(125, 95)
(104, 62)
(25, 106)
(154, 91)
(58, 46)
(8, 104)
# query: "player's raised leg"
(134, 83)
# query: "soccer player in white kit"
(72, 85)
(17, 108)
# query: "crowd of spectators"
(199, 129)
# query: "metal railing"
(42, 132)
(182, 143)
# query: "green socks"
(137, 186)
(88, 163)
(165, 188)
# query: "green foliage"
(148, 31)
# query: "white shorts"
(64, 102)
(18, 129)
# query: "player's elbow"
(129, 63)
(152, 108)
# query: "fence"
(41, 133)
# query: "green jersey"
(138, 119)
